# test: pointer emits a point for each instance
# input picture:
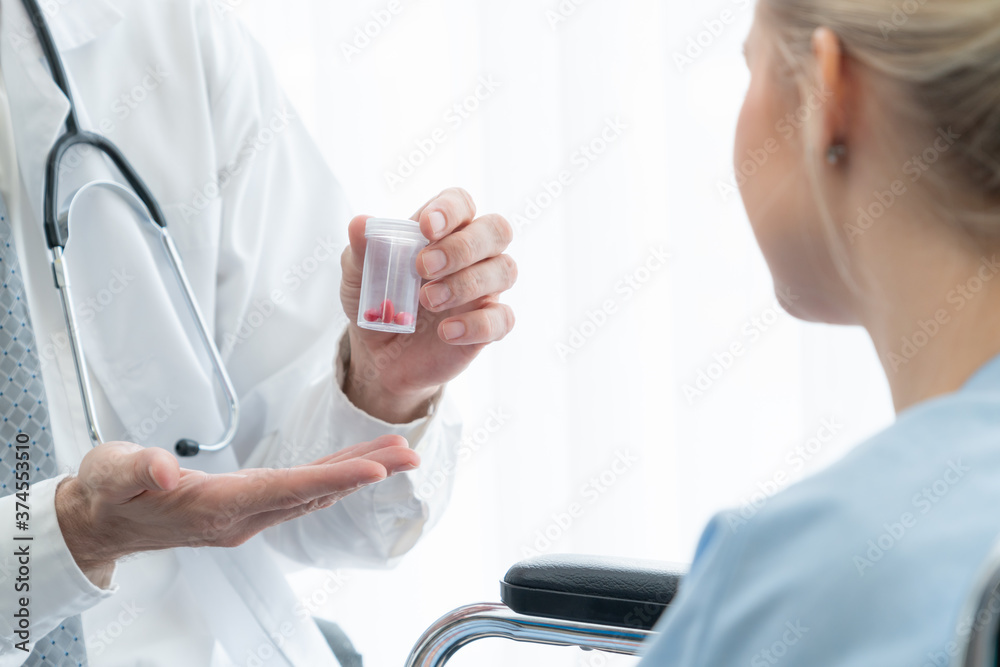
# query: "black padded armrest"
(622, 592)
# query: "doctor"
(257, 218)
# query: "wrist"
(76, 514)
(381, 402)
(364, 381)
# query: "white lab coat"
(260, 223)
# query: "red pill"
(404, 319)
(388, 311)
(372, 315)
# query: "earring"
(835, 153)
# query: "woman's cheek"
(751, 157)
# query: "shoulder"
(850, 550)
(203, 37)
(880, 479)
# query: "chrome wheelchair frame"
(612, 605)
(592, 603)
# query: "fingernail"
(453, 330)
(438, 294)
(437, 222)
(434, 261)
(406, 468)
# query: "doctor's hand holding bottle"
(394, 376)
(128, 499)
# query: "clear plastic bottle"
(390, 285)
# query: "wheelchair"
(612, 605)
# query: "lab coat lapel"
(78, 22)
(39, 108)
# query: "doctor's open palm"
(392, 376)
(127, 499)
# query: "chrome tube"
(79, 360)
(177, 268)
(480, 621)
(232, 402)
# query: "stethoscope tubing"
(141, 198)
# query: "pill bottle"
(390, 285)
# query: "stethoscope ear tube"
(53, 232)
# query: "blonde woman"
(883, 210)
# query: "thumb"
(150, 469)
(352, 264)
(354, 259)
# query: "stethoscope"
(141, 200)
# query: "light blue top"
(867, 563)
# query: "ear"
(834, 89)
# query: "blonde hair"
(941, 63)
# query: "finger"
(445, 213)
(265, 520)
(352, 262)
(485, 325)
(164, 468)
(395, 459)
(287, 488)
(135, 469)
(363, 449)
(491, 276)
(485, 237)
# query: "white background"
(656, 185)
